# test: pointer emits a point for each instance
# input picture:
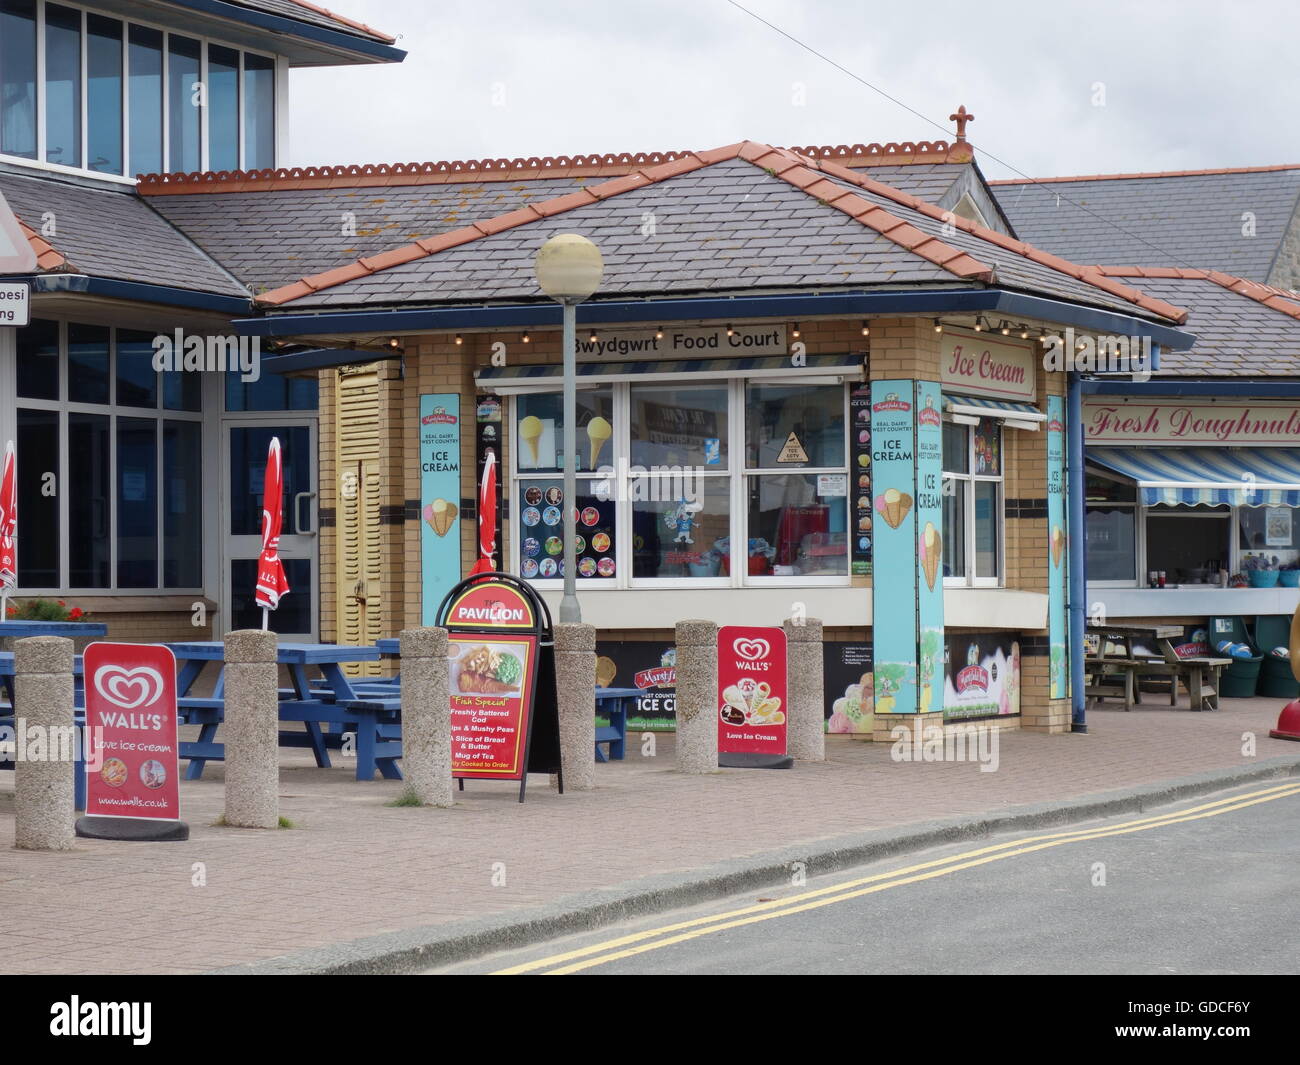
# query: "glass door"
(245, 451)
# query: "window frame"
(127, 177)
(160, 415)
(969, 480)
(738, 474)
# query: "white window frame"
(737, 472)
(1139, 532)
(969, 480)
(160, 415)
(278, 98)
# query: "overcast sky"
(1057, 87)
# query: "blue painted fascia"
(655, 311)
(137, 292)
(306, 31)
(1257, 387)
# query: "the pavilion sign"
(1190, 422)
(682, 342)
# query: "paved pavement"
(354, 867)
(1206, 886)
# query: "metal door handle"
(298, 530)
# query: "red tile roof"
(346, 21)
(47, 258)
(1276, 298)
(803, 172)
(1152, 174)
(609, 164)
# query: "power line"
(940, 126)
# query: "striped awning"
(509, 380)
(1202, 476)
(1026, 414)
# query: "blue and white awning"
(1019, 415)
(1204, 476)
(514, 380)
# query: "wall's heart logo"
(752, 650)
(129, 688)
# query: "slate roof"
(301, 11)
(110, 233)
(271, 237)
(1242, 329)
(1190, 219)
(742, 217)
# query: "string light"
(979, 325)
(730, 332)
(795, 332)
(866, 330)
(938, 327)
(527, 338)
(659, 333)
(593, 338)
(459, 339)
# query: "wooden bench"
(1199, 675)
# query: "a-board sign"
(131, 741)
(752, 696)
(501, 672)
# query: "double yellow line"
(657, 938)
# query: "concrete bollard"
(697, 696)
(575, 688)
(252, 730)
(806, 714)
(43, 789)
(426, 717)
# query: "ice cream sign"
(439, 497)
(976, 364)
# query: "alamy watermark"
(1092, 353)
(208, 354)
(950, 743)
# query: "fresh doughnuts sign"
(752, 696)
(131, 770)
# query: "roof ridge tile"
(1148, 174)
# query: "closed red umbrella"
(271, 582)
(8, 525)
(487, 516)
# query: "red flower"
(11, 612)
(75, 614)
(62, 603)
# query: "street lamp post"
(569, 269)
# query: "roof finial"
(961, 118)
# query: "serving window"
(972, 503)
(714, 484)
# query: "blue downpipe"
(1078, 554)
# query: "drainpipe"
(1078, 543)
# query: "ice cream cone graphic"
(893, 506)
(606, 671)
(598, 432)
(1058, 544)
(530, 431)
(440, 514)
(931, 553)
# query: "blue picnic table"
(22, 629)
(337, 703)
(8, 716)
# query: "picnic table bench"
(9, 715)
(337, 705)
(1200, 674)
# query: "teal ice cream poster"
(439, 500)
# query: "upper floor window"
(96, 93)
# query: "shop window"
(145, 66)
(38, 360)
(18, 78)
(259, 111)
(1272, 531)
(271, 391)
(1111, 529)
(184, 128)
(972, 503)
(666, 478)
(62, 85)
(38, 498)
(76, 90)
(223, 108)
(90, 501)
(131, 511)
(104, 94)
(1188, 544)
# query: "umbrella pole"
(266, 619)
